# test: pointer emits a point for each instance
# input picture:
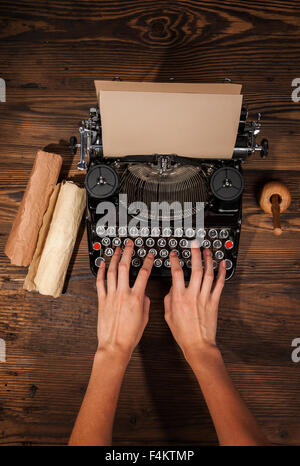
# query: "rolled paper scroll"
(60, 241)
(23, 237)
(29, 284)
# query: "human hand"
(191, 312)
(122, 311)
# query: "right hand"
(192, 312)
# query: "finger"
(197, 269)
(216, 294)
(124, 265)
(208, 274)
(143, 275)
(100, 283)
(112, 273)
(177, 272)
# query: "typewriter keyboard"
(220, 241)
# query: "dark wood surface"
(50, 53)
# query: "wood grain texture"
(50, 53)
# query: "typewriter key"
(219, 255)
(136, 262)
(100, 230)
(217, 244)
(166, 232)
(181, 263)
(201, 233)
(155, 232)
(111, 231)
(183, 243)
(98, 261)
(186, 253)
(229, 244)
(228, 264)
(122, 231)
(150, 242)
(167, 263)
(163, 253)
(105, 241)
(141, 252)
(139, 242)
(96, 246)
(161, 242)
(157, 263)
(145, 231)
(153, 251)
(116, 242)
(172, 243)
(190, 232)
(178, 232)
(223, 234)
(101, 181)
(206, 243)
(175, 251)
(213, 233)
(109, 252)
(215, 264)
(133, 231)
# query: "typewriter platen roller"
(166, 178)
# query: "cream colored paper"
(57, 252)
(23, 237)
(29, 284)
(189, 125)
(194, 88)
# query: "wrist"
(203, 357)
(116, 356)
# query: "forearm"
(94, 422)
(233, 421)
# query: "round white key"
(155, 232)
(213, 233)
(172, 243)
(190, 232)
(163, 253)
(136, 262)
(161, 242)
(186, 253)
(145, 231)
(139, 242)
(157, 263)
(100, 230)
(228, 264)
(153, 251)
(111, 231)
(206, 243)
(224, 234)
(183, 243)
(150, 242)
(105, 241)
(178, 232)
(167, 263)
(219, 255)
(116, 242)
(122, 231)
(141, 252)
(217, 244)
(133, 231)
(109, 252)
(166, 232)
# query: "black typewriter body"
(218, 184)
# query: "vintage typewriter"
(218, 184)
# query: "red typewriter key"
(97, 246)
(229, 244)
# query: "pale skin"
(191, 311)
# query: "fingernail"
(129, 243)
(207, 252)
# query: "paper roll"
(23, 237)
(29, 284)
(59, 245)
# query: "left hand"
(122, 311)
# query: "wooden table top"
(50, 53)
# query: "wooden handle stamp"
(275, 198)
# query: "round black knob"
(73, 145)
(265, 148)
